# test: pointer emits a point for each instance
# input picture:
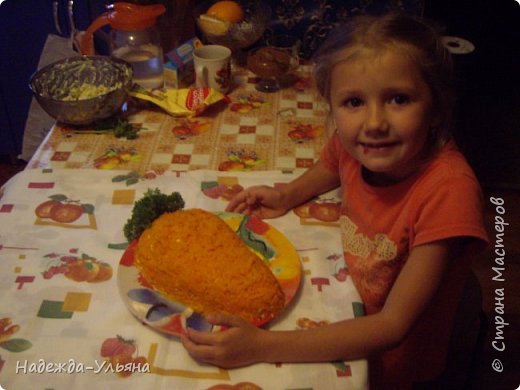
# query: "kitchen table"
(253, 131)
(64, 319)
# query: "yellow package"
(180, 102)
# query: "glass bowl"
(83, 89)
(235, 36)
(272, 66)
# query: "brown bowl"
(81, 90)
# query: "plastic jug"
(133, 38)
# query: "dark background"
(488, 125)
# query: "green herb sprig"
(148, 208)
(120, 127)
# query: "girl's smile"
(381, 148)
(383, 113)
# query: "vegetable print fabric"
(253, 131)
(63, 323)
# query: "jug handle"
(86, 45)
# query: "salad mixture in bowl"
(81, 90)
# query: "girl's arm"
(269, 202)
(413, 291)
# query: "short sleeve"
(330, 154)
(453, 207)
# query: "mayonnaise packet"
(180, 102)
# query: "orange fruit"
(226, 10)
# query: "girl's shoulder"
(447, 199)
(449, 165)
(447, 179)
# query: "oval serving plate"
(172, 318)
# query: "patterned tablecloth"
(63, 317)
(254, 131)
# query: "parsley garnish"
(148, 208)
(120, 127)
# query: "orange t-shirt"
(380, 226)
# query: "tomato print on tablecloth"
(61, 210)
(304, 131)
(319, 211)
(216, 190)
(77, 267)
(188, 127)
(122, 357)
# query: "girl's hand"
(271, 202)
(260, 201)
(238, 345)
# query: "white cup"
(213, 67)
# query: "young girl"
(407, 192)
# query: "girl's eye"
(353, 102)
(400, 99)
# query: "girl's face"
(383, 113)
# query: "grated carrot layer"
(195, 258)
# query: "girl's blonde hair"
(395, 31)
